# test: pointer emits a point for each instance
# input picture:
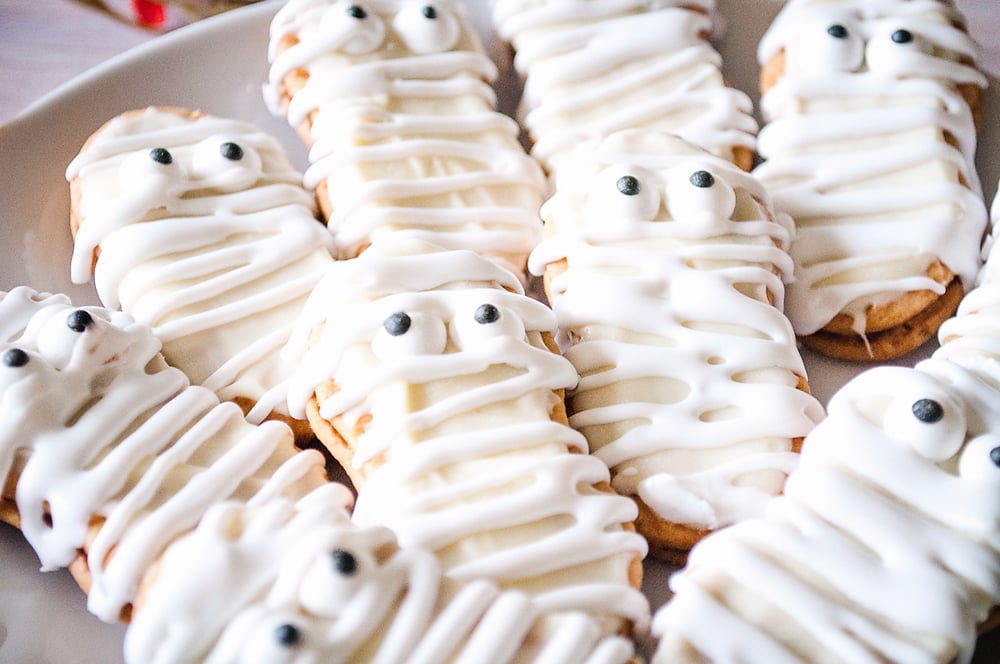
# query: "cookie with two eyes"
(869, 141)
(884, 547)
(297, 582)
(594, 67)
(665, 266)
(393, 98)
(200, 227)
(107, 455)
(434, 380)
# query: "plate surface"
(218, 65)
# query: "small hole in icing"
(715, 360)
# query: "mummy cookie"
(593, 67)
(432, 378)
(869, 143)
(107, 455)
(298, 582)
(393, 98)
(199, 227)
(664, 266)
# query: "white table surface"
(44, 43)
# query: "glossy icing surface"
(868, 104)
(205, 233)
(663, 262)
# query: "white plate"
(217, 65)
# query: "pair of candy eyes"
(630, 185)
(230, 151)
(78, 321)
(398, 324)
(359, 13)
(344, 563)
(838, 31)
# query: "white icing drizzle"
(337, 592)
(884, 547)
(404, 131)
(110, 450)
(459, 450)
(593, 67)
(856, 151)
(216, 254)
(689, 373)
(972, 337)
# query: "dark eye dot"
(629, 185)
(344, 562)
(79, 320)
(357, 12)
(837, 31)
(486, 314)
(995, 456)
(902, 36)
(429, 12)
(397, 324)
(231, 151)
(927, 411)
(702, 179)
(287, 635)
(15, 358)
(161, 156)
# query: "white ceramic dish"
(218, 65)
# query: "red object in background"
(149, 14)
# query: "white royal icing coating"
(459, 450)
(111, 451)
(593, 67)
(248, 576)
(885, 546)
(856, 152)
(403, 128)
(689, 373)
(217, 255)
(972, 337)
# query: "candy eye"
(15, 358)
(409, 333)
(79, 321)
(933, 424)
(995, 456)
(287, 635)
(488, 321)
(352, 28)
(330, 581)
(486, 314)
(161, 156)
(138, 169)
(225, 166)
(893, 50)
(980, 459)
(699, 196)
(231, 151)
(427, 28)
(826, 47)
(623, 193)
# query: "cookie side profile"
(869, 143)
(665, 266)
(199, 227)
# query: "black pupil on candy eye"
(486, 314)
(629, 185)
(702, 179)
(344, 562)
(288, 635)
(927, 411)
(79, 320)
(995, 456)
(429, 12)
(356, 12)
(15, 357)
(161, 156)
(902, 36)
(231, 151)
(397, 324)
(837, 31)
